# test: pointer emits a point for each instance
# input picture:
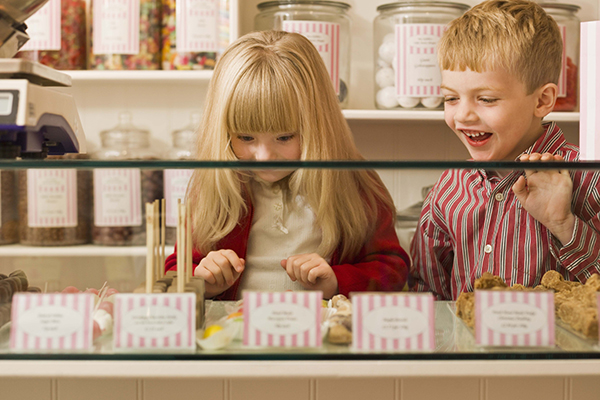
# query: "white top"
(280, 228)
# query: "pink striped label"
(57, 321)
(396, 322)
(150, 322)
(197, 27)
(589, 117)
(43, 28)
(282, 319)
(116, 27)
(325, 36)
(417, 69)
(51, 198)
(514, 318)
(562, 80)
(175, 185)
(117, 197)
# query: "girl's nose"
(264, 153)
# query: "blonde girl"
(271, 98)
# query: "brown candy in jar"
(76, 232)
(9, 219)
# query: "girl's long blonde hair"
(276, 81)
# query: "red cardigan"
(380, 265)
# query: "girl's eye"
(285, 138)
(245, 138)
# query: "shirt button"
(488, 248)
(499, 196)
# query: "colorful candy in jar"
(72, 53)
(569, 102)
(112, 48)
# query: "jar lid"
(561, 6)
(408, 4)
(337, 4)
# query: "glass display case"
(572, 360)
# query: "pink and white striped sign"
(117, 197)
(56, 321)
(325, 36)
(393, 322)
(43, 28)
(116, 26)
(514, 318)
(562, 80)
(175, 185)
(154, 322)
(196, 25)
(417, 69)
(282, 319)
(51, 198)
(589, 114)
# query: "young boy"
(500, 64)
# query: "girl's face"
(267, 147)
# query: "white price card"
(514, 318)
(589, 123)
(117, 197)
(282, 319)
(51, 322)
(154, 322)
(393, 322)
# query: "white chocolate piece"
(387, 51)
(383, 64)
(104, 320)
(408, 102)
(431, 102)
(385, 77)
(386, 97)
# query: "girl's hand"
(219, 269)
(546, 195)
(312, 272)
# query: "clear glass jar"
(9, 219)
(176, 180)
(55, 205)
(120, 195)
(568, 23)
(194, 35)
(69, 52)
(325, 23)
(125, 34)
(406, 35)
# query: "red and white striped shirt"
(472, 222)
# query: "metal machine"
(35, 120)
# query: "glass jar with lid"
(120, 194)
(9, 219)
(568, 23)
(176, 180)
(406, 34)
(54, 204)
(325, 23)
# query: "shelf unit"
(88, 250)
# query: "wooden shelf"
(87, 250)
(429, 115)
(139, 76)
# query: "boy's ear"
(546, 97)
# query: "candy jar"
(407, 74)
(568, 23)
(57, 35)
(125, 34)
(194, 33)
(325, 23)
(55, 204)
(120, 194)
(9, 220)
(176, 180)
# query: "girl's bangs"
(263, 101)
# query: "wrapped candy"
(113, 46)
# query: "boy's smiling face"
(491, 113)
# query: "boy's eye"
(450, 99)
(488, 100)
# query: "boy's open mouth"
(476, 138)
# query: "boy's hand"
(546, 195)
(219, 269)
(312, 272)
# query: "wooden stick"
(188, 244)
(156, 232)
(149, 248)
(163, 236)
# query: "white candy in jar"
(385, 77)
(383, 64)
(431, 102)
(386, 97)
(389, 38)
(408, 102)
(387, 51)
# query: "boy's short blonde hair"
(516, 35)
